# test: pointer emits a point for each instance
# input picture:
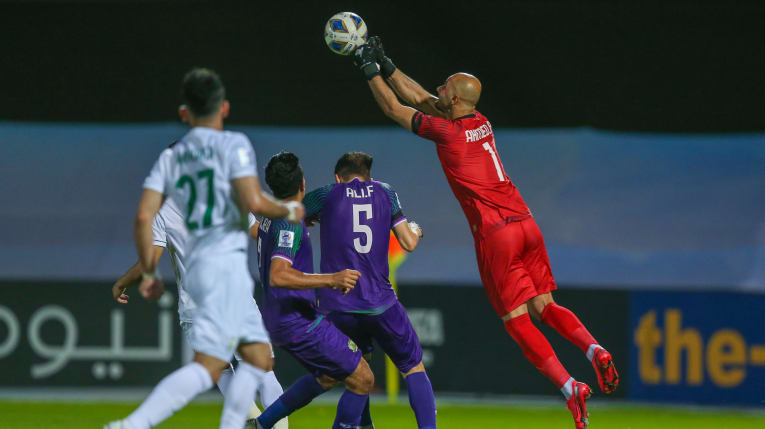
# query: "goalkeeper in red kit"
(515, 270)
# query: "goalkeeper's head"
(284, 176)
(353, 165)
(203, 98)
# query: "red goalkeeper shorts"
(514, 265)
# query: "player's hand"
(311, 221)
(345, 280)
(118, 293)
(364, 57)
(297, 211)
(416, 229)
(386, 64)
(151, 287)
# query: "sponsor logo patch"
(286, 238)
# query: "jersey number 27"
(206, 175)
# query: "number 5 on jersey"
(364, 229)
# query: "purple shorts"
(322, 349)
(391, 329)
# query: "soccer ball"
(344, 32)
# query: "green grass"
(23, 415)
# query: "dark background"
(670, 66)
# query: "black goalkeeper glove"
(386, 65)
(365, 59)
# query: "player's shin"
(349, 410)
(300, 394)
(238, 400)
(537, 349)
(170, 395)
(421, 399)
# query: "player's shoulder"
(386, 186)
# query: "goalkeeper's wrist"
(387, 67)
(149, 275)
(370, 70)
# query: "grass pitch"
(28, 415)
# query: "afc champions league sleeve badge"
(286, 238)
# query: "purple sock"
(349, 410)
(300, 394)
(366, 416)
(421, 399)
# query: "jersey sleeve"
(287, 241)
(431, 127)
(397, 213)
(241, 158)
(158, 231)
(159, 175)
(314, 201)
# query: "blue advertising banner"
(697, 347)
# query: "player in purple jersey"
(356, 216)
(286, 265)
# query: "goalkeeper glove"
(364, 58)
(386, 64)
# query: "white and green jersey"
(169, 231)
(196, 173)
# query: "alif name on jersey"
(365, 193)
(479, 133)
(265, 224)
(192, 155)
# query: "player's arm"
(148, 207)
(405, 87)
(131, 278)
(252, 199)
(408, 235)
(283, 275)
(364, 57)
(389, 104)
(413, 93)
(151, 287)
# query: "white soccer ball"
(344, 32)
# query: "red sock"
(537, 349)
(568, 325)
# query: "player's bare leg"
(540, 353)
(256, 361)
(421, 396)
(544, 308)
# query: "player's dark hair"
(202, 91)
(354, 164)
(284, 174)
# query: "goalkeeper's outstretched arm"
(414, 94)
(389, 104)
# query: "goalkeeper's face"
(446, 94)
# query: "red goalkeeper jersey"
(472, 166)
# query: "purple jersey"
(285, 309)
(356, 219)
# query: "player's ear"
(224, 109)
(337, 178)
(183, 113)
(302, 186)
